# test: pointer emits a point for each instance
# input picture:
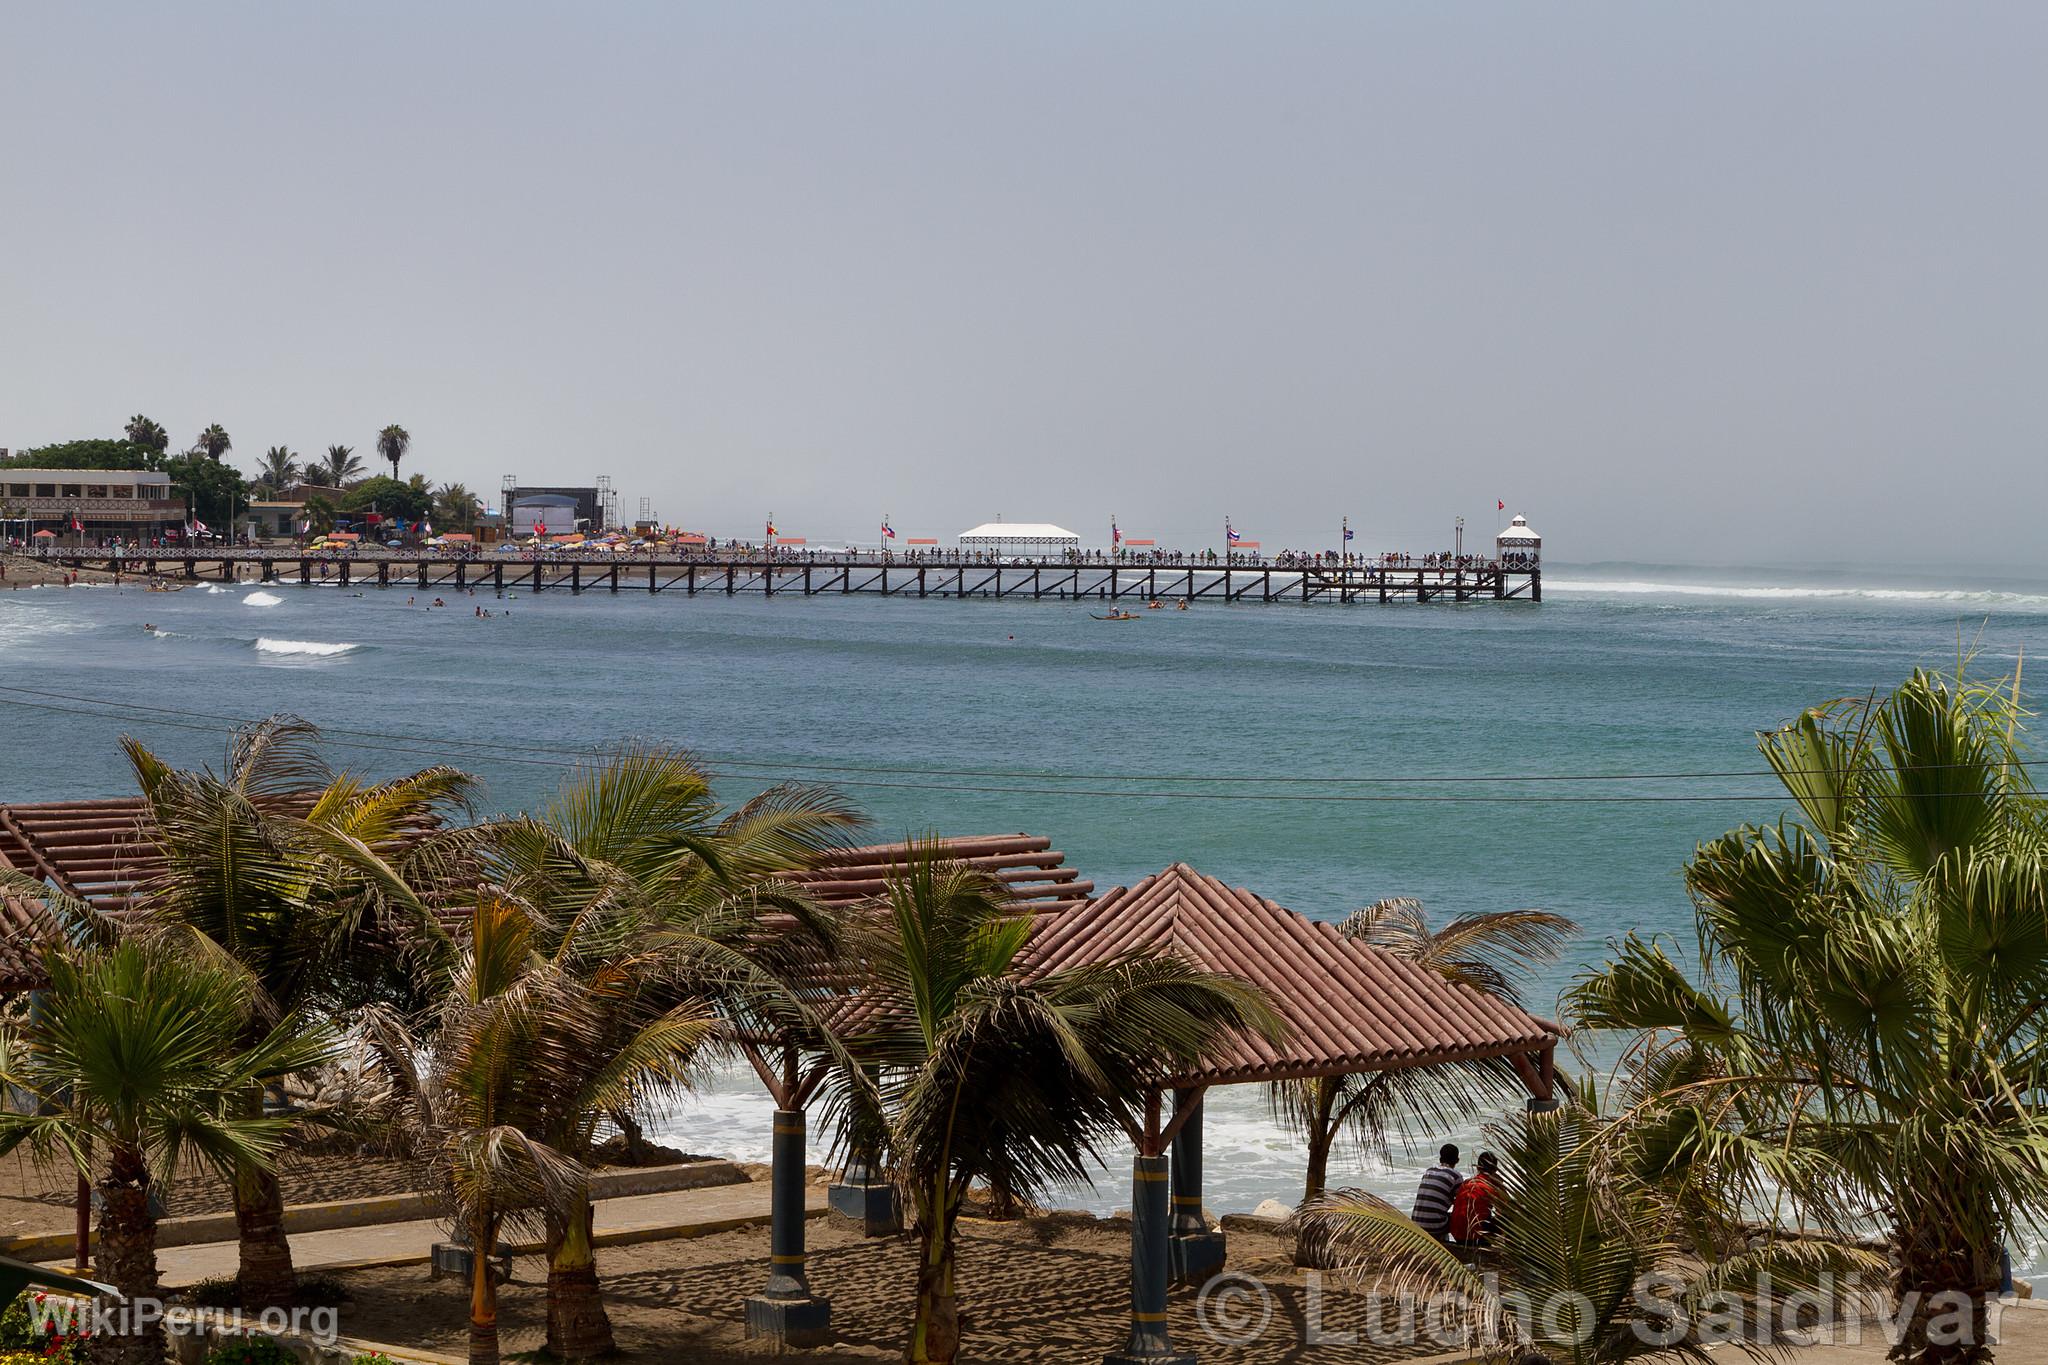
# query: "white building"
(1021, 539)
(1519, 540)
(126, 502)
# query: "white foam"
(319, 649)
(2007, 601)
(212, 588)
(262, 599)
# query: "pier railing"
(1119, 582)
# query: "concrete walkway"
(631, 1218)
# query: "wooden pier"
(847, 576)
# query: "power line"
(523, 752)
(461, 750)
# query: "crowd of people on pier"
(747, 552)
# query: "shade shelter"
(1037, 878)
(1021, 539)
(1519, 540)
(1347, 1007)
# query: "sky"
(1683, 283)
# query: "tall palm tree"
(343, 466)
(634, 859)
(988, 1072)
(135, 1058)
(279, 470)
(291, 873)
(148, 433)
(392, 443)
(1874, 986)
(214, 441)
(1582, 1225)
(1488, 952)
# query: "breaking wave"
(317, 649)
(261, 599)
(1973, 598)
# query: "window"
(95, 490)
(74, 490)
(122, 490)
(46, 490)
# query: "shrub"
(252, 1350)
(25, 1335)
(366, 1358)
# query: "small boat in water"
(1117, 616)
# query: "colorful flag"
(1230, 532)
(771, 528)
(888, 531)
(1116, 537)
(539, 529)
(1499, 506)
(1348, 532)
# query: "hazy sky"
(1698, 282)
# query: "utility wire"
(523, 752)
(461, 750)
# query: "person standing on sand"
(1432, 1212)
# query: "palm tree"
(343, 465)
(455, 507)
(1581, 1226)
(138, 1054)
(148, 434)
(634, 859)
(279, 470)
(1874, 988)
(987, 1072)
(525, 1047)
(214, 441)
(1487, 952)
(289, 872)
(392, 443)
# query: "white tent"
(1030, 539)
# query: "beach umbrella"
(44, 535)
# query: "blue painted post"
(1196, 1253)
(1149, 1342)
(786, 1310)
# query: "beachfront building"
(1020, 539)
(1519, 544)
(85, 506)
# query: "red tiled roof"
(1034, 873)
(1347, 1006)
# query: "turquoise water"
(1233, 710)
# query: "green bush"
(366, 1358)
(253, 1350)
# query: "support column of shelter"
(865, 1195)
(1194, 1250)
(1540, 1076)
(786, 1310)
(1149, 1342)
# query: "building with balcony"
(89, 504)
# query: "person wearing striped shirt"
(1433, 1197)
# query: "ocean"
(1324, 756)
